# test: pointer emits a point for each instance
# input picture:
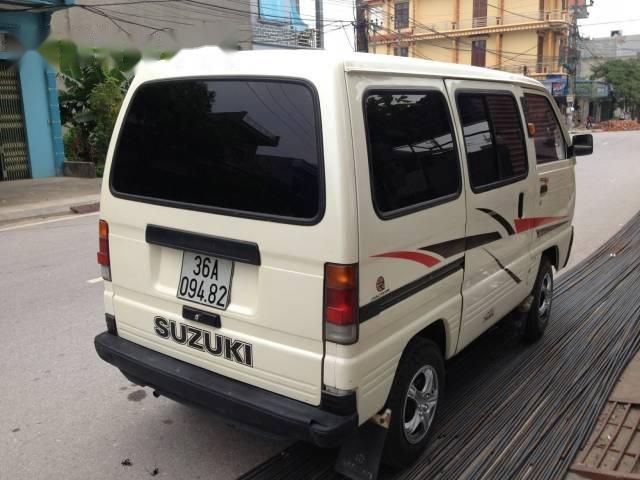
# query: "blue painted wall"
(35, 100)
(54, 119)
(37, 82)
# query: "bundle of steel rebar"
(516, 411)
(528, 415)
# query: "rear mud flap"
(360, 455)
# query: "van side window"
(412, 153)
(549, 140)
(493, 137)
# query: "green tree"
(104, 104)
(95, 81)
(624, 76)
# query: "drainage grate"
(613, 450)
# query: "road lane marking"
(51, 220)
(95, 280)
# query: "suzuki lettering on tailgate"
(204, 341)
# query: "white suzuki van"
(298, 241)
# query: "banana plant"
(95, 81)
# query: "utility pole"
(362, 30)
(573, 54)
(319, 24)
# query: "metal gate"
(14, 159)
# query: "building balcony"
(537, 20)
(539, 70)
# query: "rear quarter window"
(412, 153)
(245, 147)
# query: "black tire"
(538, 316)
(399, 450)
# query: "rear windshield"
(240, 147)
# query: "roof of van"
(305, 59)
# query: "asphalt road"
(66, 414)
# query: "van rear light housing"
(341, 303)
(103, 250)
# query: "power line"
(114, 19)
(610, 22)
(210, 10)
(215, 7)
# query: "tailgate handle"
(211, 319)
(236, 250)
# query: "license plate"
(205, 280)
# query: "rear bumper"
(236, 401)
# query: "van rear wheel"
(538, 317)
(415, 395)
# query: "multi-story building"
(523, 36)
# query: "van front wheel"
(538, 316)
(415, 395)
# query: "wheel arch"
(436, 332)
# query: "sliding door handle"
(521, 205)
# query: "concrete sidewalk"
(45, 197)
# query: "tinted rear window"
(231, 146)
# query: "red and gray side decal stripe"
(377, 306)
(523, 224)
(451, 248)
(514, 277)
(500, 219)
(431, 255)
(423, 258)
(447, 249)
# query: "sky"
(625, 15)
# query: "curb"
(85, 208)
(77, 206)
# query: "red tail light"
(103, 251)
(341, 303)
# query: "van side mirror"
(582, 145)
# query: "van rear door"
(217, 228)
